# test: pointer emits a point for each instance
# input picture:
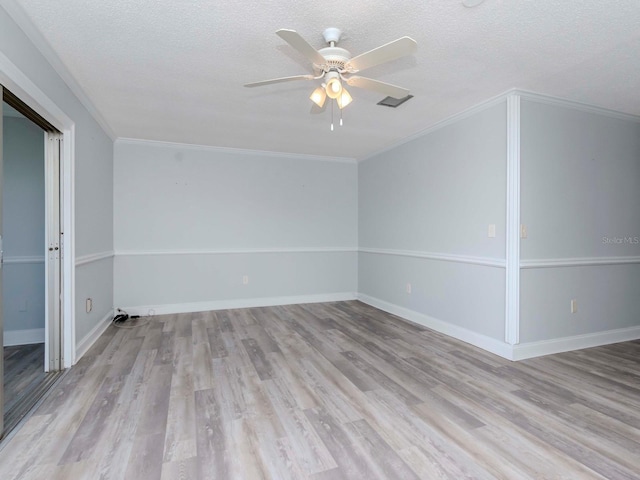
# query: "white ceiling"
(173, 70)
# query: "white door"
(1, 262)
(53, 300)
(53, 358)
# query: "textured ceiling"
(173, 70)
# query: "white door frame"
(20, 85)
(54, 341)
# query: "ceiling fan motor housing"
(335, 59)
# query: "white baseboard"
(477, 339)
(498, 347)
(578, 342)
(23, 337)
(511, 352)
(90, 338)
(167, 309)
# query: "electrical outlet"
(574, 306)
(245, 279)
(408, 288)
(89, 305)
(492, 230)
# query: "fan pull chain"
(332, 116)
(340, 117)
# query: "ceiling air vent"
(394, 102)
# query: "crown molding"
(524, 94)
(584, 107)
(232, 151)
(18, 15)
(456, 117)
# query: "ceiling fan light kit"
(344, 99)
(334, 87)
(319, 95)
(336, 67)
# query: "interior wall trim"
(512, 280)
(15, 80)
(443, 123)
(23, 337)
(18, 15)
(503, 349)
(93, 257)
(90, 338)
(168, 309)
(24, 259)
(577, 342)
(527, 95)
(234, 151)
(584, 107)
(446, 257)
(578, 262)
(234, 251)
(474, 338)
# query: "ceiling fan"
(335, 66)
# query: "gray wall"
(438, 194)
(580, 189)
(23, 220)
(93, 171)
(191, 222)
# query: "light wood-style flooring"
(328, 391)
(25, 382)
(23, 369)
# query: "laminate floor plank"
(118, 439)
(258, 359)
(351, 461)
(386, 461)
(327, 391)
(214, 332)
(449, 455)
(23, 369)
(571, 441)
(386, 362)
(308, 448)
(180, 470)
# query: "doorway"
(30, 285)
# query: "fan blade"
(294, 39)
(378, 86)
(279, 80)
(392, 50)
